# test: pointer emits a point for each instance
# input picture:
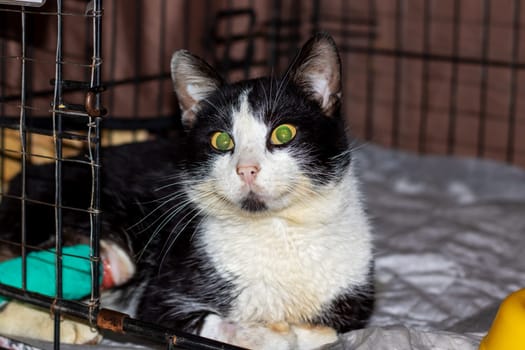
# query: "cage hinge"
(91, 105)
(92, 102)
(111, 320)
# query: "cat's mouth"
(253, 203)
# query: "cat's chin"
(253, 203)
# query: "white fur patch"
(290, 261)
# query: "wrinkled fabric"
(450, 236)
(403, 338)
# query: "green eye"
(282, 134)
(221, 141)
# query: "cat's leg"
(277, 336)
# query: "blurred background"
(441, 77)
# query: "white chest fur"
(287, 266)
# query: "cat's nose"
(248, 173)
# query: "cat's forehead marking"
(249, 132)
(245, 109)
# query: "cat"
(249, 227)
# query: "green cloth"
(41, 272)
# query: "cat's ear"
(193, 80)
(317, 70)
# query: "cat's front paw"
(23, 320)
(311, 337)
(278, 336)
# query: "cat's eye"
(221, 141)
(283, 134)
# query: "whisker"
(171, 240)
(166, 217)
(171, 198)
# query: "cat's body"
(249, 228)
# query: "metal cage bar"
(23, 146)
(427, 18)
(485, 46)
(398, 76)
(516, 28)
(370, 75)
(453, 86)
(3, 70)
(94, 149)
(57, 131)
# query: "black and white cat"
(249, 228)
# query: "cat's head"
(266, 144)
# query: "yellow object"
(508, 328)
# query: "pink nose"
(247, 173)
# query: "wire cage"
(440, 77)
(41, 122)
